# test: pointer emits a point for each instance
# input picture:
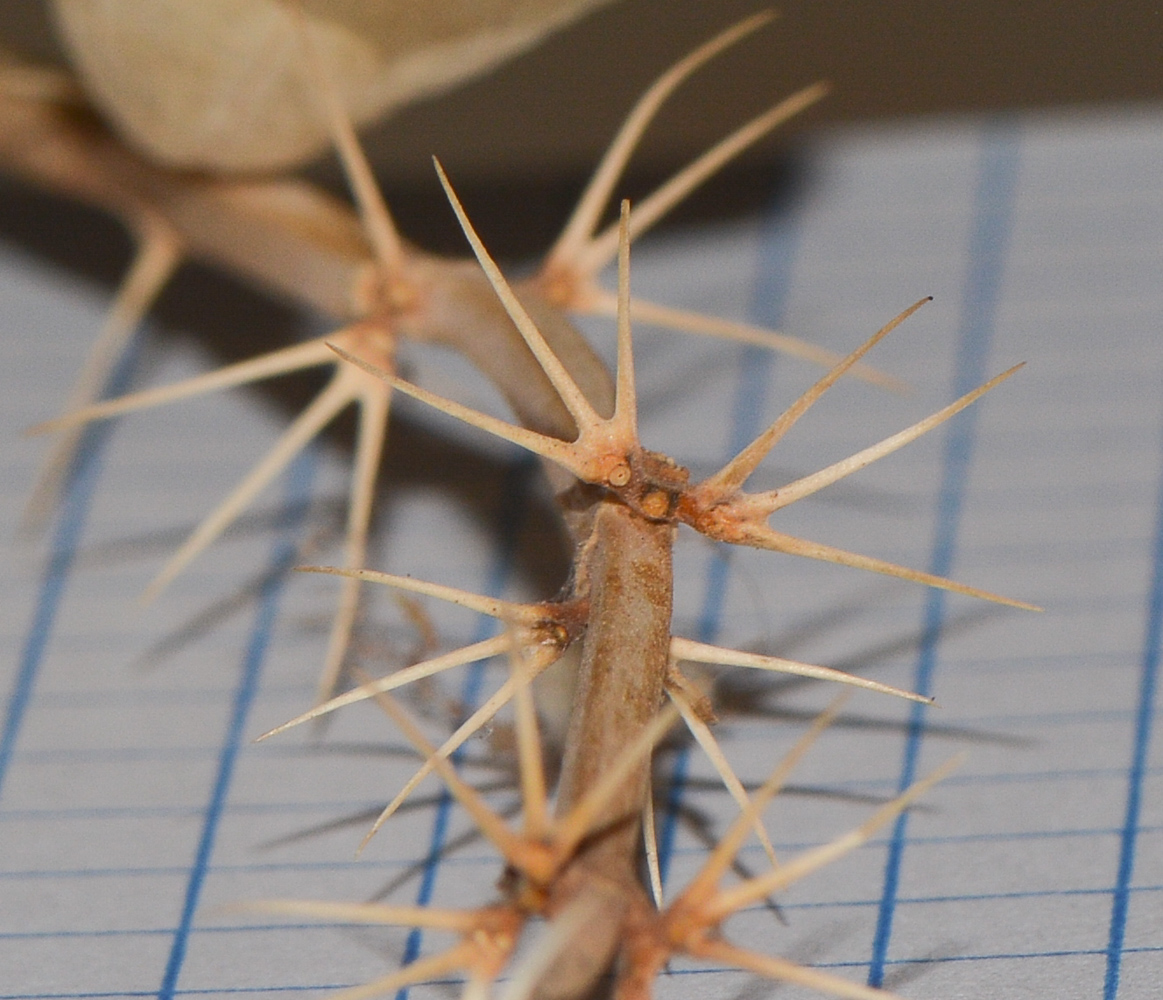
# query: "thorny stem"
(625, 654)
(579, 868)
(623, 575)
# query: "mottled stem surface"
(627, 566)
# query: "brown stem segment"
(625, 654)
(627, 566)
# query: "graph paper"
(134, 808)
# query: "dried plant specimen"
(623, 502)
(386, 290)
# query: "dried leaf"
(219, 84)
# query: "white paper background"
(1008, 871)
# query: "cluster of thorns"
(600, 466)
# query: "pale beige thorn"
(626, 395)
(706, 739)
(458, 657)
(762, 537)
(561, 932)
(466, 729)
(460, 921)
(338, 640)
(596, 301)
(585, 216)
(705, 882)
(158, 255)
(373, 211)
(578, 823)
(490, 824)
(650, 843)
(732, 900)
(554, 449)
(277, 363)
(701, 652)
(154, 263)
(375, 402)
(459, 956)
(310, 422)
(825, 477)
(601, 250)
(735, 473)
(574, 399)
(786, 971)
(494, 607)
(534, 798)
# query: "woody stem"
(619, 691)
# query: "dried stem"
(579, 866)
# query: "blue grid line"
(1144, 717)
(975, 897)
(469, 860)
(514, 501)
(325, 806)
(1024, 720)
(836, 904)
(700, 971)
(1029, 661)
(772, 283)
(80, 483)
(298, 477)
(993, 211)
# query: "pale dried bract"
(217, 84)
